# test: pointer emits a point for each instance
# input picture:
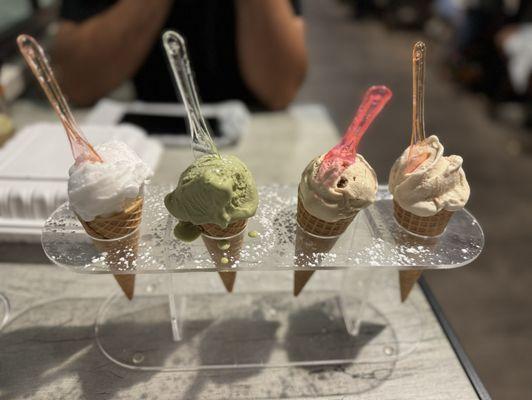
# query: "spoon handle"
(418, 109)
(372, 104)
(38, 62)
(176, 51)
(337, 159)
(416, 156)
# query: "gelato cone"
(107, 198)
(214, 198)
(427, 187)
(105, 185)
(409, 277)
(426, 197)
(314, 239)
(334, 188)
(433, 225)
(325, 210)
(224, 246)
(120, 253)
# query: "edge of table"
(466, 363)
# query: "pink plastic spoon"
(344, 153)
(38, 62)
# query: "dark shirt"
(209, 27)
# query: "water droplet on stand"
(137, 358)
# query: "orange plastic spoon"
(38, 62)
(416, 156)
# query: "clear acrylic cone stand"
(4, 310)
(182, 319)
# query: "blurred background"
(479, 102)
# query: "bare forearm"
(97, 55)
(271, 49)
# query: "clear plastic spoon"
(344, 153)
(38, 62)
(176, 51)
(416, 156)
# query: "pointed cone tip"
(407, 280)
(228, 279)
(127, 284)
(300, 280)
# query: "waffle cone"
(319, 227)
(426, 226)
(215, 237)
(121, 253)
(314, 239)
(407, 280)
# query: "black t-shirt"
(209, 28)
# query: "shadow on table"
(49, 344)
(314, 335)
(244, 342)
(31, 253)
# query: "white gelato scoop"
(103, 189)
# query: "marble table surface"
(48, 351)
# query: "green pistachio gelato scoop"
(212, 190)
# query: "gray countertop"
(48, 351)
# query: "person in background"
(252, 50)
(514, 41)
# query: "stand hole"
(137, 358)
